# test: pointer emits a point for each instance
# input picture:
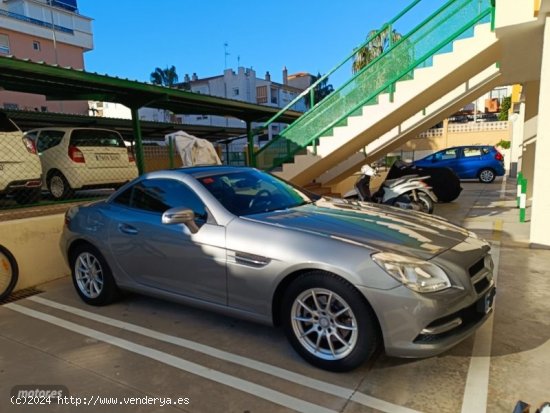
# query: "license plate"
(486, 304)
(106, 156)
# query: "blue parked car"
(468, 162)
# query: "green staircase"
(454, 20)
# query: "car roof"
(468, 146)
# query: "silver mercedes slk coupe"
(341, 277)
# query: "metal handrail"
(31, 20)
(312, 87)
(392, 81)
(389, 82)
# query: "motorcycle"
(407, 192)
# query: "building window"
(274, 93)
(261, 94)
(4, 44)
(36, 45)
(11, 106)
(235, 91)
(499, 94)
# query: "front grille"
(477, 267)
(482, 285)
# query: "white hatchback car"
(82, 158)
(20, 170)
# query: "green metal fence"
(454, 20)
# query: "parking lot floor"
(144, 348)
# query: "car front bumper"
(423, 325)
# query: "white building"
(245, 86)
(242, 85)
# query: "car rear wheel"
(328, 322)
(59, 187)
(486, 176)
(92, 276)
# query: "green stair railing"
(452, 21)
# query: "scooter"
(407, 192)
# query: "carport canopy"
(61, 83)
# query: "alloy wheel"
(487, 175)
(57, 186)
(89, 275)
(324, 324)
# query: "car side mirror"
(181, 215)
(434, 160)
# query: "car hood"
(378, 227)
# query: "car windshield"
(252, 192)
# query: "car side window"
(471, 152)
(48, 139)
(446, 155)
(161, 194)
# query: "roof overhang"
(60, 83)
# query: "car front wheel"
(92, 276)
(328, 322)
(486, 176)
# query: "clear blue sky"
(132, 37)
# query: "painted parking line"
(477, 381)
(265, 368)
(179, 363)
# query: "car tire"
(486, 175)
(92, 277)
(59, 186)
(9, 272)
(28, 196)
(426, 202)
(328, 322)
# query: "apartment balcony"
(35, 18)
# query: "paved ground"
(142, 347)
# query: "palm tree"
(164, 77)
(378, 45)
(321, 91)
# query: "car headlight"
(418, 275)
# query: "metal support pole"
(390, 44)
(137, 138)
(250, 136)
(171, 152)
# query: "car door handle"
(127, 229)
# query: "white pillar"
(540, 214)
(516, 139)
